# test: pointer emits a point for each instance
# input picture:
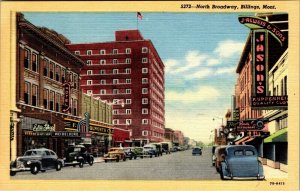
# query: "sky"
(200, 52)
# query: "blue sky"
(200, 52)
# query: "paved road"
(176, 166)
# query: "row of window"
(128, 111)
(51, 69)
(114, 81)
(129, 121)
(51, 100)
(113, 71)
(115, 91)
(104, 51)
(114, 61)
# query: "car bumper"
(20, 169)
(245, 178)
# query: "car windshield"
(33, 153)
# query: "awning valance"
(279, 136)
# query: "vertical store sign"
(67, 97)
(260, 63)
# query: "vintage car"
(115, 153)
(166, 147)
(220, 156)
(129, 153)
(241, 162)
(149, 150)
(78, 155)
(197, 151)
(36, 160)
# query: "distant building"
(128, 73)
(179, 137)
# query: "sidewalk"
(274, 173)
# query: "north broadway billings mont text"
(227, 7)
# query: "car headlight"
(75, 157)
(28, 162)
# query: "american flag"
(139, 15)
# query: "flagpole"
(137, 22)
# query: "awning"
(242, 140)
(278, 136)
(248, 140)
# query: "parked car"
(197, 151)
(241, 161)
(149, 150)
(129, 153)
(35, 160)
(213, 156)
(166, 147)
(78, 155)
(115, 153)
(138, 151)
(220, 156)
(159, 149)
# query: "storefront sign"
(100, 129)
(65, 134)
(236, 114)
(43, 127)
(38, 133)
(256, 23)
(250, 125)
(269, 102)
(67, 98)
(259, 64)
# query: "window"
(34, 62)
(128, 111)
(128, 121)
(102, 92)
(89, 72)
(51, 105)
(116, 121)
(26, 58)
(127, 70)
(102, 71)
(128, 81)
(46, 97)
(144, 70)
(77, 52)
(145, 101)
(115, 81)
(115, 112)
(144, 50)
(27, 92)
(128, 61)
(144, 121)
(46, 67)
(57, 73)
(74, 107)
(57, 102)
(103, 82)
(51, 69)
(89, 82)
(115, 61)
(102, 62)
(89, 52)
(144, 133)
(88, 62)
(34, 97)
(144, 90)
(144, 60)
(63, 75)
(115, 91)
(115, 71)
(102, 52)
(115, 51)
(128, 91)
(128, 50)
(89, 92)
(144, 80)
(75, 81)
(128, 101)
(145, 111)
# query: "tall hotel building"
(128, 73)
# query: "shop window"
(26, 58)
(34, 62)
(34, 95)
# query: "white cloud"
(205, 93)
(213, 62)
(171, 65)
(226, 70)
(200, 74)
(228, 48)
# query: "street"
(180, 165)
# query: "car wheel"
(130, 158)
(58, 166)
(141, 157)
(34, 169)
(135, 157)
(12, 173)
(150, 156)
(124, 159)
(81, 163)
(43, 171)
(117, 159)
(91, 162)
(221, 175)
(105, 161)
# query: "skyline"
(199, 51)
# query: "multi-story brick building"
(128, 73)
